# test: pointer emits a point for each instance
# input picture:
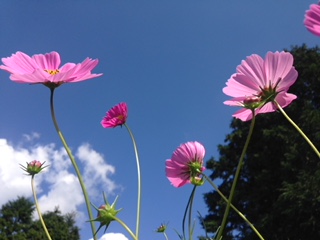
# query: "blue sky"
(168, 59)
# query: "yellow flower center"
(120, 117)
(52, 72)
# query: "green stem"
(232, 206)
(298, 129)
(139, 181)
(190, 215)
(74, 163)
(165, 235)
(236, 177)
(38, 208)
(186, 211)
(126, 228)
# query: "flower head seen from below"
(33, 167)
(186, 165)
(312, 19)
(259, 82)
(116, 116)
(45, 69)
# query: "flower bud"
(33, 167)
(197, 181)
(106, 213)
(162, 228)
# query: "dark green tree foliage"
(279, 188)
(15, 219)
(16, 223)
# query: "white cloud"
(95, 170)
(57, 185)
(112, 236)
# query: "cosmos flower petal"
(48, 61)
(67, 67)
(279, 65)
(268, 107)
(240, 86)
(243, 114)
(288, 80)
(252, 68)
(312, 19)
(83, 70)
(236, 102)
(284, 99)
(19, 63)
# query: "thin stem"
(298, 129)
(126, 228)
(185, 212)
(233, 207)
(38, 208)
(165, 235)
(139, 180)
(236, 177)
(74, 163)
(190, 215)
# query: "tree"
(16, 223)
(279, 187)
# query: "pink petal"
(19, 63)
(239, 85)
(277, 66)
(312, 19)
(243, 114)
(284, 99)
(48, 61)
(252, 68)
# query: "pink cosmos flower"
(44, 68)
(312, 19)
(186, 164)
(117, 116)
(258, 82)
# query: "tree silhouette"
(16, 223)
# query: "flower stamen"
(52, 72)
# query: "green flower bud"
(162, 228)
(33, 167)
(106, 213)
(198, 181)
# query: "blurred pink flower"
(312, 19)
(44, 68)
(117, 116)
(258, 82)
(186, 164)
